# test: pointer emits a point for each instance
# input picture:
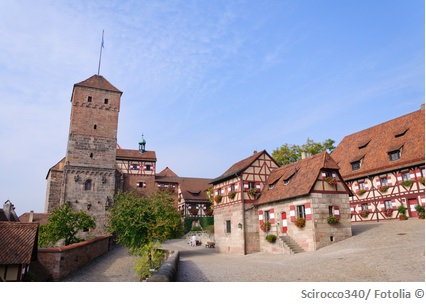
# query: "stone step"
(293, 246)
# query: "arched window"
(88, 185)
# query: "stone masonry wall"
(62, 261)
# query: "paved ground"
(388, 251)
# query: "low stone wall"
(62, 261)
(168, 272)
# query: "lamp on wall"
(240, 226)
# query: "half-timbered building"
(305, 205)
(384, 166)
(234, 194)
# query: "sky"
(205, 82)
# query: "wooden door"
(412, 202)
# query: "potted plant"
(300, 222)
(364, 213)
(383, 189)
(331, 181)
(265, 226)
(421, 211)
(407, 183)
(232, 194)
(252, 192)
(271, 238)
(218, 198)
(332, 219)
(360, 192)
(401, 209)
(388, 212)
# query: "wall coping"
(72, 246)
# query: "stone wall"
(62, 261)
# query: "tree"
(137, 220)
(149, 257)
(63, 223)
(287, 154)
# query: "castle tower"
(88, 180)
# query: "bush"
(271, 238)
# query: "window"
(233, 188)
(89, 98)
(106, 101)
(301, 211)
(394, 155)
(251, 185)
(134, 166)
(219, 191)
(364, 207)
(328, 174)
(361, 186)
(88, 185)
(141, 185)
(228, 226)
(406, 176)
(266, 216)
(330, 210)
(423, 172)
(388, 204)
(384, 181)
(91, 155)
(95, 126)
(356, 165)
(147, 167)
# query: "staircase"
(291, 244)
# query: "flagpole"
(100, 54)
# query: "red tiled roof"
(301, 177)
(407, 131)
(239, 167)
(194, 189)
(98, 82)
(167, 173)
(40, 218)
(18, 242)
(136, 155)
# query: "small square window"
(233, 188)
(388, 204)
(395, 155)
(89, 98)
(361, 186)
(147, 167)
(356, 165)
(219, 191)
(364, 207)
(134, 166)
(384, 181)
(406, 176)
(266, 216)
(106, 101)
(141, 185)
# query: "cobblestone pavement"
(388, 251)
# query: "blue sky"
(206, 82)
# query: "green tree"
(63, 223)
(137, 220)
(287, 154)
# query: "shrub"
(333, 219)
(271, 238)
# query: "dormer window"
(395, 155)
(356, 165)
(401, 132)
(363, 144)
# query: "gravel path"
(388, 251)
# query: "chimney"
(306, 154)
(31, 218)
(422, 106)
(254, 152)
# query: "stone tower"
(88, 181)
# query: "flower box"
(360, 192)
(331, 181)
(271, 238)
(300, 222)
(364, 213)
(231, 195)
(333, 220)
(218, 198)
(266, 226)
(388, 212)
(383, 189)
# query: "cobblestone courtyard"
(388, 251)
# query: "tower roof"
(98, 82)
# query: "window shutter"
(366, 186)
(260, 217)
(389, 181)
(292, 213)
(378, 184)
(308, 211)
(336, 211)
(271, 216)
